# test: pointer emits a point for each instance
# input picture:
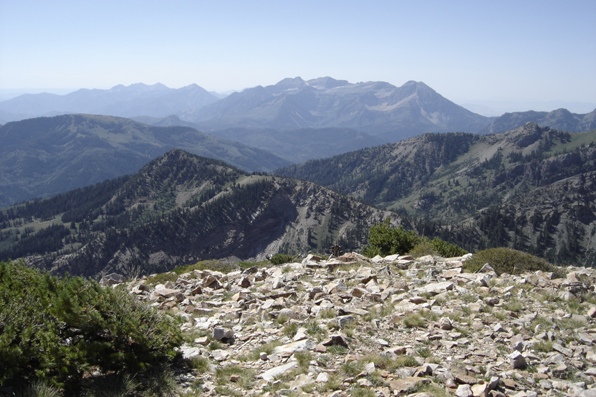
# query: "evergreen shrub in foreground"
(60, 330)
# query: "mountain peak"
(418, 86)
(289, 82)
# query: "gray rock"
(445, 324)
(518, 361)
(112, 279)
(220, 333)
(464, 391)
(563, 350)
(436, 288)
(276, 372)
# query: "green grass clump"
(264, 348)
(304, 358)
(290, 329)
(200, 364)
(161, 278)
(388, 363)
(513, 305)
(543, 346)
(507, 260)
(352, 368)
(337, 349)
(245, 376)
(414, 320)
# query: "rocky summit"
(392, 326)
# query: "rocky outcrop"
(383, 327)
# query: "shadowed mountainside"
(50, 155)
(179, 209)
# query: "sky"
(488, 56)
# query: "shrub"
(436, 246)
(423, 248)
(507, 260)
(446, 249)
(57, 330)
(280, 259)
(383, 239)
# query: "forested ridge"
(180, 208)
(532, 188)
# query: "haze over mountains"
(377, 108)
(279, 118)
(382, 110)
(50, 155)
(125, 101)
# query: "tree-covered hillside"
(179, 209)
(531, 188)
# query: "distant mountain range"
(125, 101)
(379, 110)
(532, 188)
(49, 155)
(560, 119)
(376, 108)
(180, 209)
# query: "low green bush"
(60, 330)
(384, 239)
(211, 264)
(446, 249)
(280, 259)
(507, 260)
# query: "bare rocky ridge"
(382, 327)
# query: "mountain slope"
(45, 156)
(560, 119)
(125, 101)
(300, 145)
(179, 209)
(532, 188)
(381, 109)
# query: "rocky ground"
(352, 326)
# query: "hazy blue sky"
(507, 55)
